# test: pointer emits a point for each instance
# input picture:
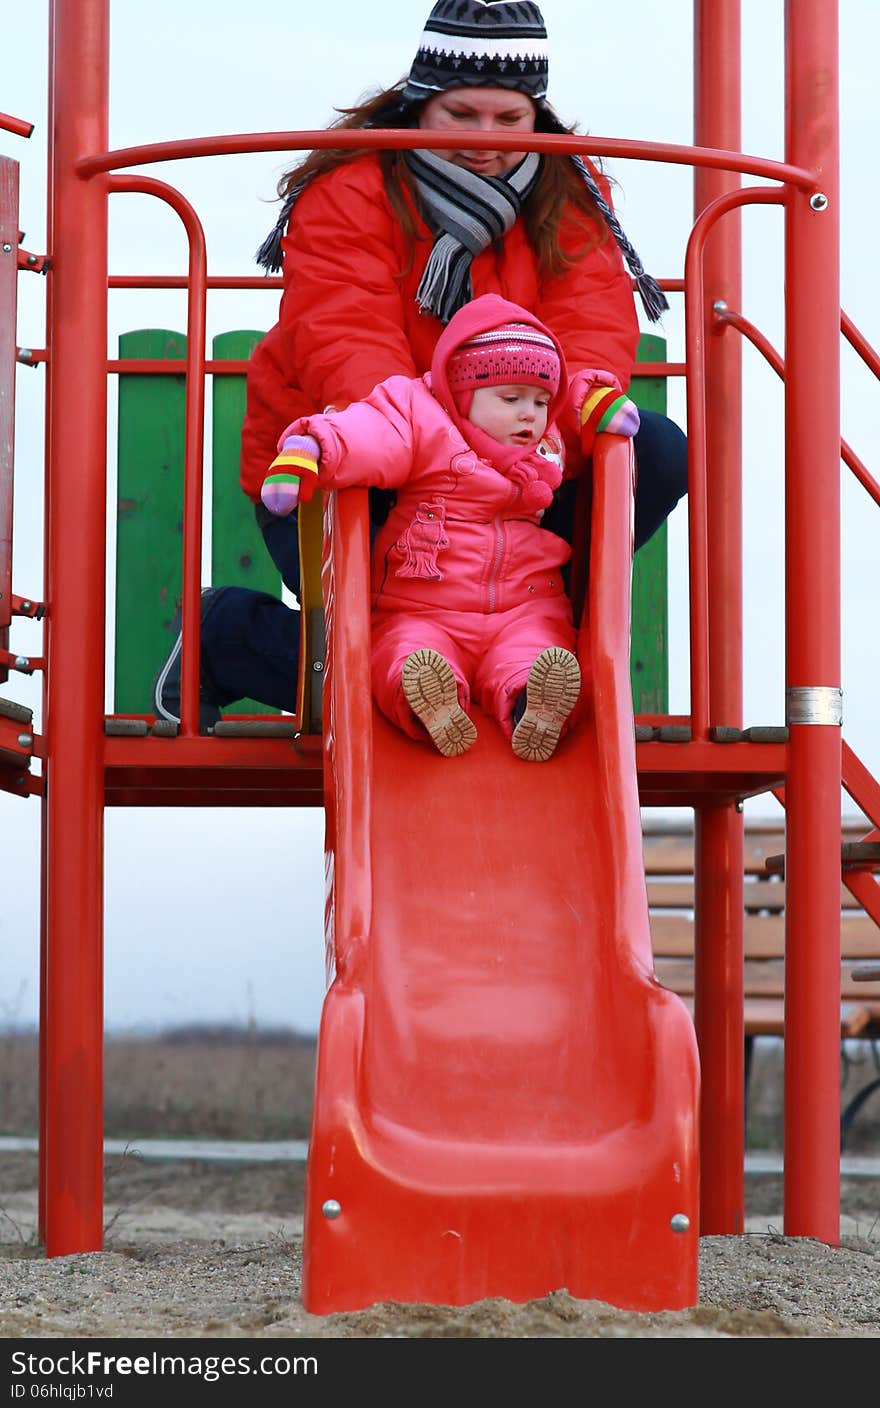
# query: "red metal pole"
(718, 860)
(47, 596)
(76, 558)
(812, 629)
(8, 304)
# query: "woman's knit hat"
(515, 354)
(480, 43)
(491, 44)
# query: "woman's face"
(486, 109)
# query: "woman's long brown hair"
(560, 198)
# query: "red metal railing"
(736, 320)
(193, 437)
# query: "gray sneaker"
(166, 686)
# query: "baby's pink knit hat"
(515, 354)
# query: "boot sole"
(552, 690)
(432, 694)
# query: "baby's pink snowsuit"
(462, 564)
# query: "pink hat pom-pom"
(536, 495)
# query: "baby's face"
(513, 415)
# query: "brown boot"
(432, 694)
(552, 691)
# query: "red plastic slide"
(506, 1099)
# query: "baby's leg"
(420, 681)
(529, 677)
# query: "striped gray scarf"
(468, 211)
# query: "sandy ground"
(204, 1251)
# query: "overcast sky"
(197, 926)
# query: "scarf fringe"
(446, 282)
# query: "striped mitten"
(293, 475)
(606, 409)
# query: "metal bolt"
(318, 666)
(7, 248)
(739, 806)
(26, 605)
(25, 354)
(819, 201)
(680, 1222)
(32, 259)
(331, 1209)
(20, 781)
(719, 306)
(21, 662)
(25, 740)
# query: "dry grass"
(218, 1084)
(250, 1084)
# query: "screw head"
(819, 201)
(32, 259)
(331, 1209)
(25, 740)
(719, 306)
(21, 662)
(680, 1222)
(26, 605)
(318, 666)
(7, 248)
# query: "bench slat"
(766, 1017)
(762, 978)
(669, 852)
(758, 895)
(763, 936)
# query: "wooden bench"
(669, 868)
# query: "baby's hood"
(523, 463)
(482, 315)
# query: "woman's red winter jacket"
(349, 319)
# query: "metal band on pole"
(814, 704)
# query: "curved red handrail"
(193, 436)
(404, 139)
(695, 314)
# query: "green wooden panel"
(649, 655)
(149, 531)
(239, 556)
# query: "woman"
(380, 249)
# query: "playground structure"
(703, 760)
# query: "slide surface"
(506, 1099)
